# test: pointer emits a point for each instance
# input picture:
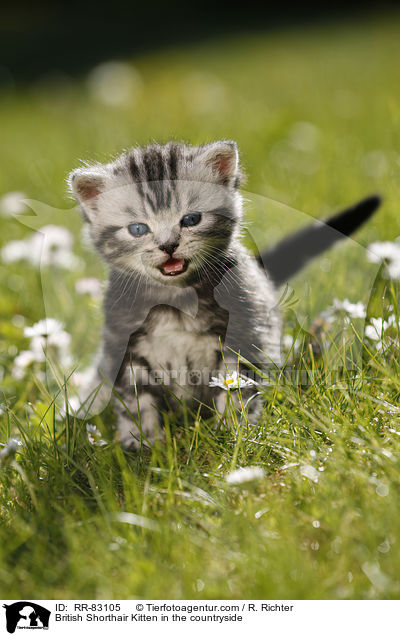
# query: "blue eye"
(138, 229)
(191, 219)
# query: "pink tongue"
(173, 266)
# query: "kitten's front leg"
(137, 408)
(250, 399)
(138, 420)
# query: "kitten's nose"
(168, 247)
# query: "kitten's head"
(166, 213)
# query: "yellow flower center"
(228, 381)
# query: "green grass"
(334, 535)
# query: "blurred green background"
(315, 109)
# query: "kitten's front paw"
(138, 427)
(132, 439)
(251, 403)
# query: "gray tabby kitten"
(185, 299)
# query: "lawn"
(316, 115)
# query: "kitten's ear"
(86, 184)
(223, 158)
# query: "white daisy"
(50, 245)
(114, 83)
(23, 360)
(94, 435)
(58, 343)
(56, 236)
(382, 250)
(354, 310)
(376, 329)
(393, 269)
(13, 203)
(386, 252)
(90, 286)
(14, 251)
(44, 335)
(245, 475)
(392, 321)
(45, 327)
(231, 381)
(310, 472)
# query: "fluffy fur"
(166, 335)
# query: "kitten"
(185, 299)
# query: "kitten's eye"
(191, 219)
(138, 229)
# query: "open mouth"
(173, 267)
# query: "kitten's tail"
(294, 252)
